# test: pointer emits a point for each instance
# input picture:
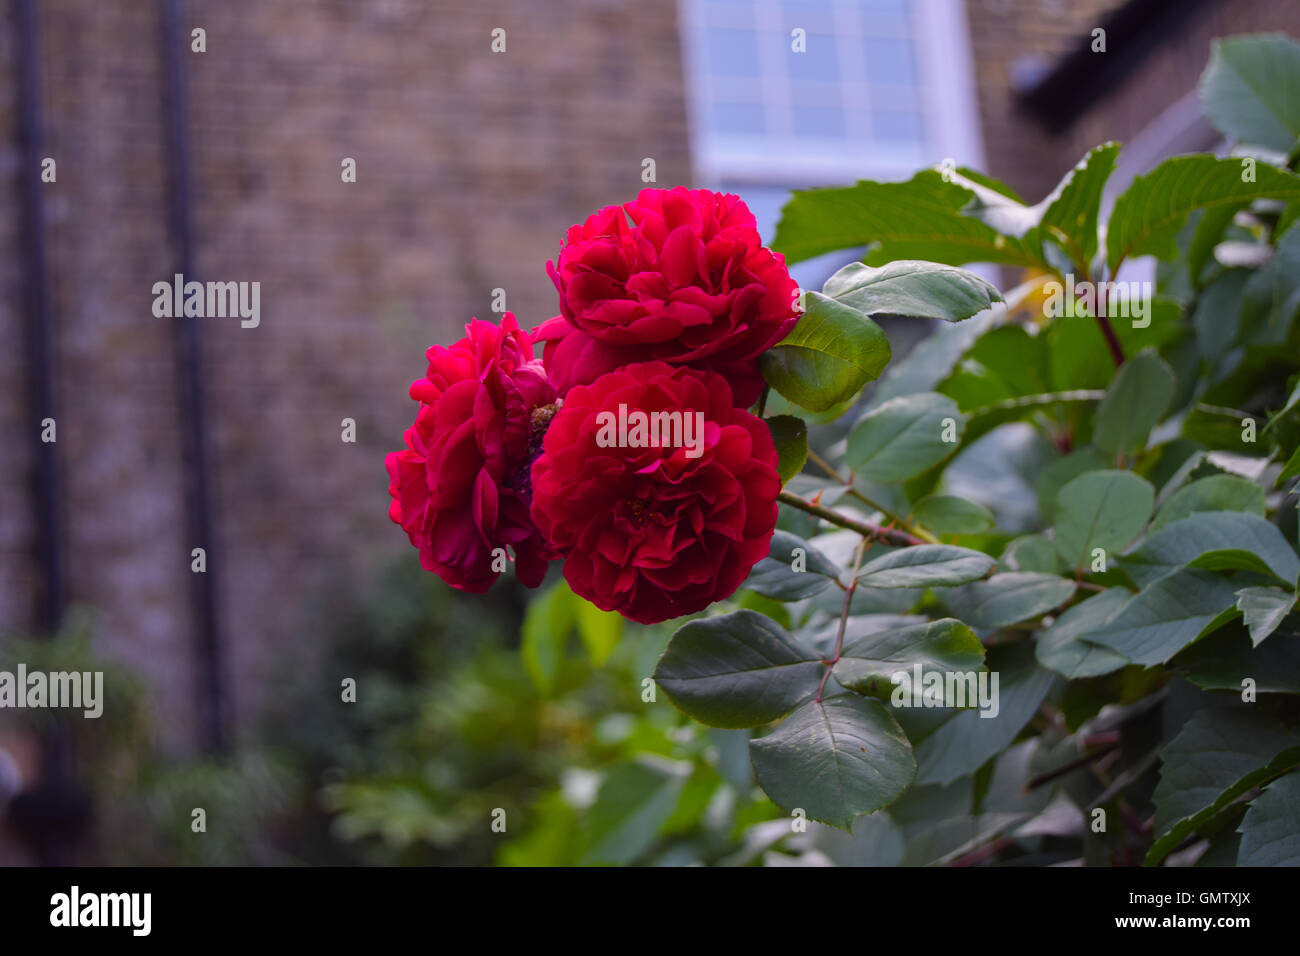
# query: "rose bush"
(1091, 508)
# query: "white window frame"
(948, 104)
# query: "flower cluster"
(666, 303)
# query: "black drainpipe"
(40, 378)
(211, 694)
(53, 814)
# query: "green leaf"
(1271, 297)
(875, 841)
(933, 358)
(920, 290)
(790, 435)
(1270, 831)
(634, 801)
(961, 741)
(1135, 401)
(1214, 759)
(1006, 363)
(1030, 552)
(986, 418)
(1217, 315)
(867, 664)
(925, 565)
(1224, 660)
(775, 576)
(733, 757)
(1264, 610)
(1166, 617)
(1209, 230)
(1292, 401)
(997, 207)
(948, 514)
(1067, 216)
(1292, 467)
(828, 356)
(1258, 543)
(918, 219)
(737, 670)
(1060, 649)
(1070, 216)
(997, 470)
(1215, 493)
(835, 759)
(1251, 90)
(1061, 472)
(904, 436)
(1100, 509)
(941, 823)
(973, 178)
(547, 623)
(1231, 559)
(599, 630)
(1007, 598)
(1149, 214)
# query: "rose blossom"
(655, 532)
(460, 487)
(686, 281)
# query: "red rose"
(460, 487)
(686, 281)
(656, 532)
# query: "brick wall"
(1007, 35)
(1012, 39)
(470, 165)
(1174, 68)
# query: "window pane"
(819, 63)
(886, 16)
(726, 13)
(819, 121)
(736, 119)
(889, 62)
(817, 94)
(811, 15)
(891, 126)
(731, 52)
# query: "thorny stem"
(825, 466)
(1106, 743)
(1103, 320)
(1112, 340)
(869, 530)
(865, 528)
(983, 853)
(844, 619)
(912, 529)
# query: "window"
(794, 93)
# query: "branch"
(1107, 330)
(1108, 743)
(844, 619)
(865, 528)
(834, 475)
(1112, 340)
